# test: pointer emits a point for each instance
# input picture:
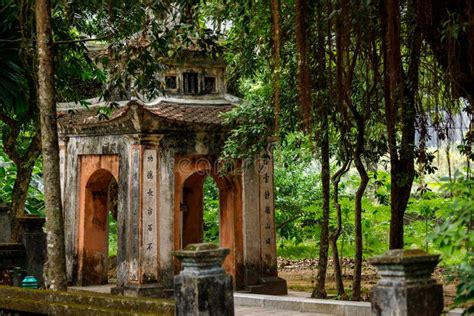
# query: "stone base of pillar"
(416, 299)
(270, 285)
(148, 290)
(34, 240)
(405, 287)
(203, 287)
(204, 295)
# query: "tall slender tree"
(322, 107)
(304, 85)
(276, 60)
(56, 264)
(400, 90)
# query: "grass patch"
(291, 250)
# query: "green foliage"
(113, 235)
(454, 236)
(297, 189)
(14, 92)
(292, 249)
(211, 211)
(251, 121)
(35, 200)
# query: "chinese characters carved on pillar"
(267, 228)
(149, 216)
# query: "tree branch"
(82, 40)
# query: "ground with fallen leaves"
(300, 275)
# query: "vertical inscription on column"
(149, 222)
(267, 228)
(134, 218)
(62, 169)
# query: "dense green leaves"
(35, 201)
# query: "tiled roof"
(190, 113)
(87, 116)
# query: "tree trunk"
(321, 84)
(364, 180)
(22, 183)
(56, 263)
(334, 236)
(19, 194)
(320, 289)
(399, 107)
(302, 53)
(24, 166)
(276, 61)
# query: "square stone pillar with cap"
(203, 287)
(406, 287)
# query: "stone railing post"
(34, 240)
(405, 287)
(203, 287)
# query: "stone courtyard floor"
(254, 311)
(294, 304)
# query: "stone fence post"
(203, 287)
(34, 240)
(405, 287)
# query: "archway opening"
(200, 210)
(112, 248)
(100, 213)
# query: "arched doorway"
(200, 210)
(190, 173)
(100, 196)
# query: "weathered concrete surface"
(260, 311)
(74, 303)
(457, 312)
(203, 287)
(302, 304)
(406, 287)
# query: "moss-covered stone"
(75, 303)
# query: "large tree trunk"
(399, 107)
(56, 264)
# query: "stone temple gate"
(145, 165)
